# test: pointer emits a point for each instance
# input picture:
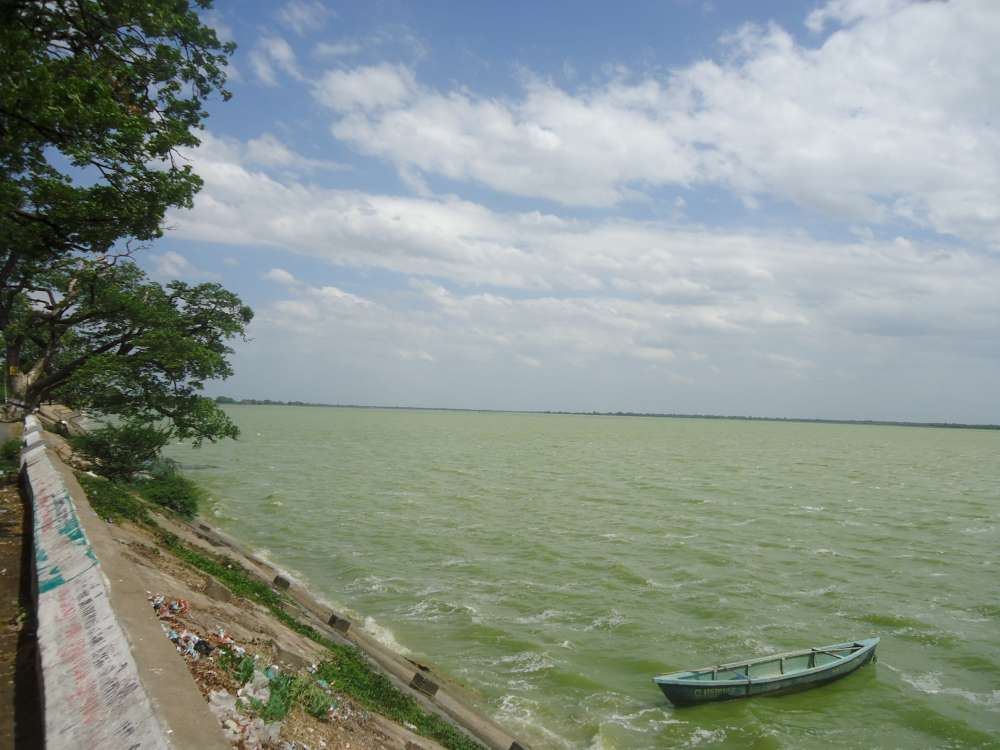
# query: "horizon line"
(226, 400)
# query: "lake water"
(555, 564)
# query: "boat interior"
(775, 666)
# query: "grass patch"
(224, 569)
(286, 690)
(113, 500)
(350, 672)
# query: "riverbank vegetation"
(128, 455)
(10, 455)
(122, 499)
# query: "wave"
(525, 662)
(432, 610)
(521, 712)
(930, 683)
(372, 584)
(549, 614)
(701, 737)
(609, 621)
(644, 720)
(383, 635)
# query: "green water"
(554, 564)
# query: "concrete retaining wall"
(93, 697)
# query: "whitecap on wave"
(374, 584)
(704, 736)
(384, 636)
(264, 555)
(522, 713)
(525, 662)
(644, 720)
(548, 614)
(930, 683)
(607, 622)
(432, 610)
(979, 530)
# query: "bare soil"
(20, 706)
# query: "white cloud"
(281, 276)
(418, 356)
(722, 317)
(343, 48)
(263, 151)
(647, 290)
(368, 88)
(891, 118)
(172, 265)
(271, 54)
(214, 20)
(845, 12)
(267, 150)
(305, 16)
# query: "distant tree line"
(264, 402)
(885, 423)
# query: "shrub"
(173, 491)
(119, 452)
(10, 452)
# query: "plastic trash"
(257, 688)
(221, 703)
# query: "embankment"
(109, 676)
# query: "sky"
(782, 209)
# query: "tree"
(102, 337)
(95, 98)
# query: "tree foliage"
(95, 98)
(103, 337)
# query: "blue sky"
(770, 208)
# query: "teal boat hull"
(767, 675)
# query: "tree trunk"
(21, 396)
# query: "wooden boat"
(767, 675)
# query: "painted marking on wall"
(93, 696)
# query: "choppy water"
(554, 564)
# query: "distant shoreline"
(226, 401)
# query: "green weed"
(113, 499)
(10, 455)
(316, 701)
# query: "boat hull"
(683, 692)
